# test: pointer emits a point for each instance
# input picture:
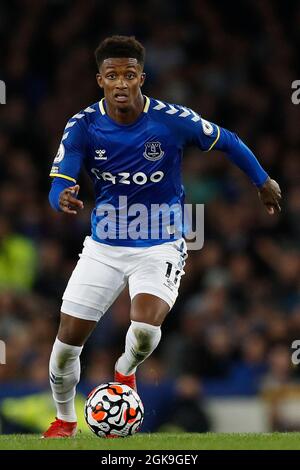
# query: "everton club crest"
(153, 151)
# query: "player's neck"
(128, 115)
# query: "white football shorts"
(103, 271)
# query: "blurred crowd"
(231, 330)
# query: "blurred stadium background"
(224, 363)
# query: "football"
(114, 410)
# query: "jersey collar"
(145, 110)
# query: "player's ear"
(99, 80)
(143, 78)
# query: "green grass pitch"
(157, 441)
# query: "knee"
(67, 334)
(149, 317)
(149, 309)
(74, 331)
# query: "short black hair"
(120, 46)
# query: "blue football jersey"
(135, 168)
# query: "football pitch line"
(157, 441)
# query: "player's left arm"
(218, 138)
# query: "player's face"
(121, 80)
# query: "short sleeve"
(198, 131)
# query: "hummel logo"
(101, 154)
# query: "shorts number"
(170, 267)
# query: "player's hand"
(270, 195)
(68, 202)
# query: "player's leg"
(92, 288)
(143, 336)
(74, 331)
(64, 371)
(153, 288)
(64, 367)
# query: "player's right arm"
(66, 167)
